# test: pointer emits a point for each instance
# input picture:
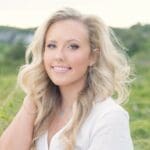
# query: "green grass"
(11, 96)
(138, 105)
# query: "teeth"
(60, 69)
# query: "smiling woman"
(70, 83)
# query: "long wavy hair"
(109, 76)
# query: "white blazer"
(106, 128)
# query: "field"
(138, 105)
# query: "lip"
(61, 69)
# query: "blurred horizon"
(34, 27)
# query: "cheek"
(46, 60)
(80, 61)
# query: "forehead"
(67, 29)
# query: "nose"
(59, 55)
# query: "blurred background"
(130, 20)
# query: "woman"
(73, 71)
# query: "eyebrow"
(53, 41)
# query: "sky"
(115, 13)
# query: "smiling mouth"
(61, 68)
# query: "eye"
(73, 46)
(51, 46)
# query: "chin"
(66, 81)
(61, 83)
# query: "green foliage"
(12, 52)
(17, 52)
(136, 38)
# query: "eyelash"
(49, 45)
(74, 46)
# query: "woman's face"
(67, 52)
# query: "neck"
(70, 93)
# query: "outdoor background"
(129, 20)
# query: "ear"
(94, 56)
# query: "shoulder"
(108, 107)
(108, 115)
(108, 121)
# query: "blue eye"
(51, 46)
(74, 46)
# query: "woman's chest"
(56, 125)
(52, 141)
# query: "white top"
(106, 128)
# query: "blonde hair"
(109, 76)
